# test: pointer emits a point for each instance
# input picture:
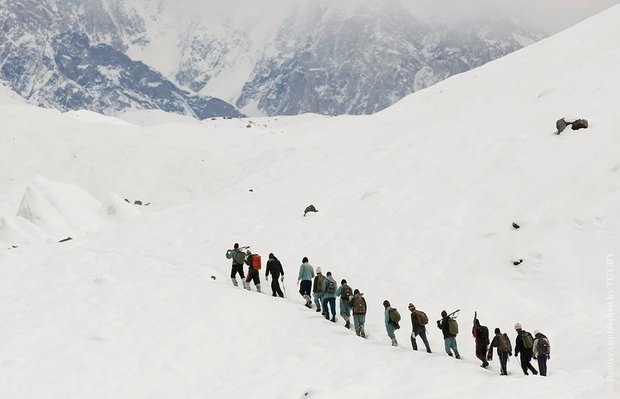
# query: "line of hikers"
(324, 289)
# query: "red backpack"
(256, 264)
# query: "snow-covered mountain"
(69, 55)
(324, 57)
(416, 204)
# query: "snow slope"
(416, 205)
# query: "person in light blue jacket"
(330, 288)
(390, 326)
(306, 274)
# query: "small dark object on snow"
(517, 262)
(515, 226)
(251, 190)
(213, 277)
(137, 202)
(127, 201)
(580, 124)
(13, 246)
(66, 239)
(310, 208)
(147, 204)
(561, 124)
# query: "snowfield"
(415, 205)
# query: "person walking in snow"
(392, 317)
(504, 350)
(345, 293)
(358, 304)
(418, 327)
(304, 279)
(317, 290)
(274, 267)
(524, 345)
(330, 287)
(541, 351)
(481, 336)
(253, 274)
(238, 257)
(449, 338)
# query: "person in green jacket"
(306, 274)
(358, 303)
(238, 258)
(390, 326)
(345, 293)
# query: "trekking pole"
(283, 287)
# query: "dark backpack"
(453, 327)
(528, 340)
(504, 343)
(394, 316)
(422, 317)
(543, 346)
(359, 305)
(346, 292)
(484, 334)
(331, 287)
(318, 283)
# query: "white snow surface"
(415, 205)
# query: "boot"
(333, 319)
(394, 342)
(234, 281)
(246, 285)
(347, 325)
(362, 332)
(258, 287)
(308, 302)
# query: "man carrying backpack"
(345, 293)
(306, 274)
(446, 325)
(418, 327)
(524, 345)
(275, 268)
(253, 274)
(481, 335)
(238, 257)
(317, 289)
(330, 287)
(392, 317)
(358, 304)
(504, 350)
(541, 351)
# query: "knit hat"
(343, 281)
(518, 326)
(411, 307)
(444, 313)
(318, 270)
(356, 291)
(304, 260)
(536, 332)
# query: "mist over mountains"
(209, 59)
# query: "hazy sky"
(552, 15)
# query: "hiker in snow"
(306, 274)
(358, 304)
(253, 275)
(330, 287)
(392, 317)
(504, 350)
(238, 257)
(524, 345)
(449, 335)
(481, 335)
(274, 267)
(317, 290)
(541, 351)
(345, 293)
(418, 327)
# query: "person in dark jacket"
(481, 335)
(417, 328)
(541, 351)
(526, 353)
(253, 274)
(448, 339)
(504, 350)
(274, 267)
